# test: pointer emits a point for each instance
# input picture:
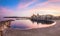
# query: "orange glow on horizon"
(44, 11)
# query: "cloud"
(30, 7)
(25, 4)
(20, 6)
(5, 11)
(29, 3)
(38, 3)
(9, 12)
(54, 0)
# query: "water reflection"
(27, 24)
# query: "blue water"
(20, 24)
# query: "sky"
(29, 7)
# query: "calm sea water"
(27, 24)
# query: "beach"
(48, 31)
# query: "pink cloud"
(5, 11)
(54, 0)
(24, 5)
(44, 5)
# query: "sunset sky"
(29, 7)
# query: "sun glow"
(45, 11)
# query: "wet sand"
(48, 31)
